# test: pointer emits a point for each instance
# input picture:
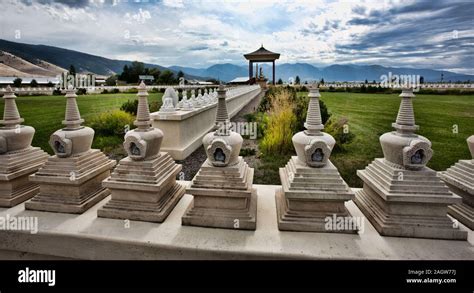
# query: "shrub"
(262, 122)
(339, 129)
(303, 89)
(132, 91)
(17, 82)
(33, 83)
(130, 107)
(57, 92)
(115, 91)
(245, 152)
(111, 80)
(81, 91)
(266, 102)
(104, 91)
(154, 106)
(281, 122)
(111, 123)
(107, 143)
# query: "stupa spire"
(72, 118)
(222, 116)
(405, 123)
(11, 116)
(143, 121)
(314, 123)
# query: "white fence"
(98, 89)
(423, 85)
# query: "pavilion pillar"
(273, 67)
(250, 70)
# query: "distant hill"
(224, 72)
(336, 72)
(41, 55)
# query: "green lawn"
(370, 115)
(45, 113)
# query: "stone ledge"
(88, 237)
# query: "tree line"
(130, 75)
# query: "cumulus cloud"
(199, 33)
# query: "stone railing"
(30, 90)
(124, 88)
(187, 128)
(99, 89)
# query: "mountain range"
(35, 55)
(308, 72)
(19, 59)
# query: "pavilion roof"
(262, 54)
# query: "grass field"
(45, 113)
(370, 115)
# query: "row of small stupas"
(400, 196)
(197, 98)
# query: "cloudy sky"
(429, 34)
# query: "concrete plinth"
(88, 237)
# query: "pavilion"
(261, 55)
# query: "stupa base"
(15, 168)
(71, 185)
(223, 197)
(244, 219)
(463, 213)
(47, 203)
(459, 179)
(155, 212)
(308, 221)
(413, 225)
(19, 195)
(312, 198)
